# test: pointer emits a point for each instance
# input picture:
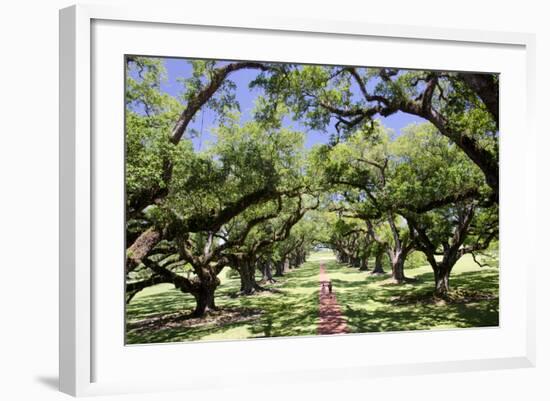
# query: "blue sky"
(180, 68)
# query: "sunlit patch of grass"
(234, 333)
(321, 255)
(155, 289)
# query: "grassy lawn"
(370, 303)
(321, 255)
(374, 303)
(292, 310)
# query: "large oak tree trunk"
(364, 265)
(378, 263)
(398, 253)
(398, 266)
(344, 258)
(286, 265)
(267, 277)
(279, 268)
(441, 276)
(204, 297)
(301, 258)
(247, 273)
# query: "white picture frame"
(81, 345)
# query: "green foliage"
(316, 94)
(243, 160)
(150, 116)
(242, 194)
(223, 102)
(414, 260)
(427, 166)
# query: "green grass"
(369, 303)
(293, 311)
(321, 255)
(372, 303)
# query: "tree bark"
(279, 269)
(247, 273)
(286, 266)
(442, 285)
(452, 251)
(441, 276)
(302, 258)
(202, 287)
(133, 288)
(267, 276)
(141, 247)
(364, 266)
(204, 297)
(397, 260)
(486, 88)
(378, 263)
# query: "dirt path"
(331, 319)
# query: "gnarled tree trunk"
(279, 269)
(286, 265)
(247, 273)
(364, 265)
(203, 289)
(204, 297)
(378, 268)
(397, 260)
(442, 284)
(267, 277)
(442, 272)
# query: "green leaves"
(255, 180)
(427, 167)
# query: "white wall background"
(29, 200)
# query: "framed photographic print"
(342, 195)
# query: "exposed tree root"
(406, 280)
(219, 317)
(257, 290)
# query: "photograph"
(298, 200)
(267, 199)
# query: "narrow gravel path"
(331, 319)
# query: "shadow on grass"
(369, 302)
(289, 308)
